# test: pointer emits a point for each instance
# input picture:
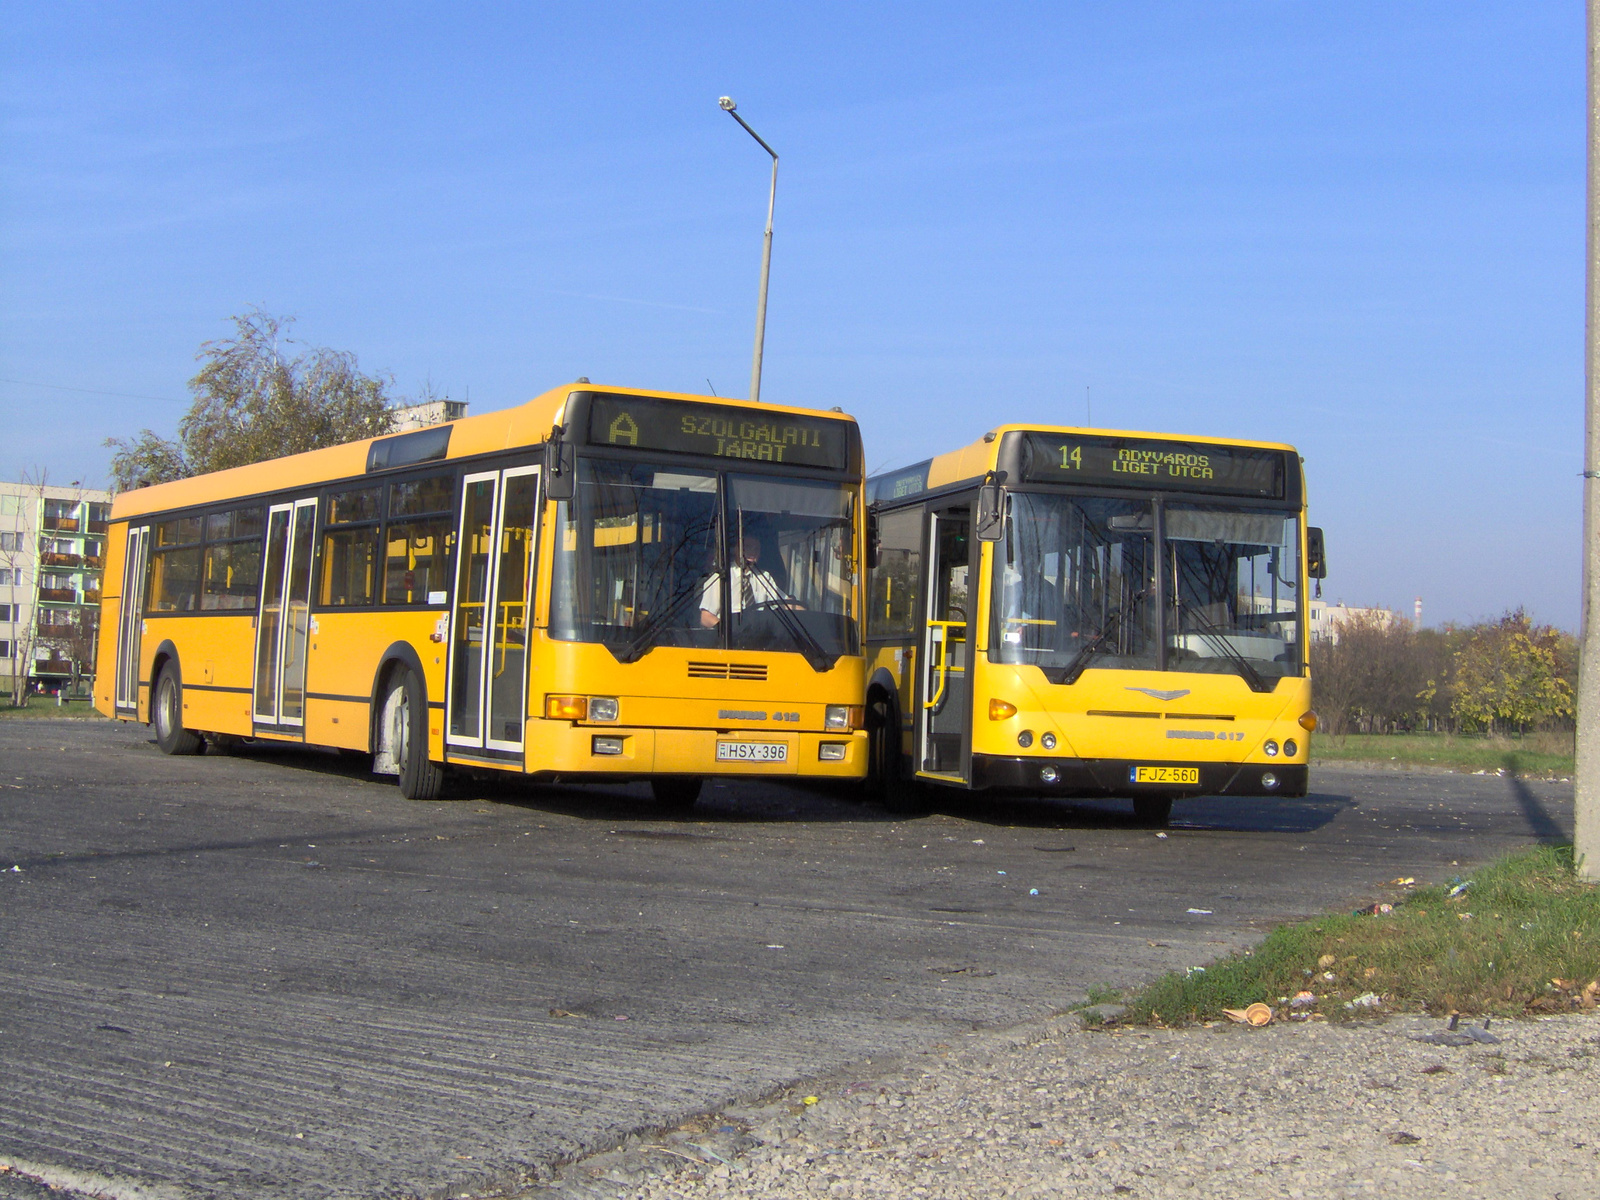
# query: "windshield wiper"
(1218, 640)
(644, 641)
(1080, 660)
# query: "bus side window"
(897, 578)
(350, 548)
(173, 583)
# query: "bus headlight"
(832, 751)
(1270, 748)
(842, 716)
(1025, 738)
(1269, 780)
(1291, 748)
(1049, 775)
(602, 708)
(566, 708)
(1048, 741)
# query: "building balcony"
(94, 562)
(59, 595)
(91, 595)
(63, 524)
(99, 526)
(51, 558)
(53, 666)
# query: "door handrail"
(943, 663)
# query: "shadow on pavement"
(1541, 823)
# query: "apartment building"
(52, 555)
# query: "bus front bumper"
(1113, 777)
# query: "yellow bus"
(599, 584)
(1074, 612)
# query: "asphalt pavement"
(268, 975)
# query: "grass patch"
(45, 706)
(1522, 936)
(1533, 754)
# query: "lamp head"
(726, 103)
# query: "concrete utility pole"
(728, 106)
(1587, 807)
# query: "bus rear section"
(1067, 613)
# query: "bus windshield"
(1076, 581)
(649, 555)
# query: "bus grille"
(754, 672)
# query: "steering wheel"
(955, 610)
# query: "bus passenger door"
(944, 724)
(488, 678)
(283, 620)
(131, 621)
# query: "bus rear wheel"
(677, 793)
(1152, 810)
(171, 736)
(405, 729)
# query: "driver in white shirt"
(749, 585)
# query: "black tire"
(420, 777)
(677, 793)
(1152, 810)
(166, 714)
(883, 743)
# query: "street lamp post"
(729, 107)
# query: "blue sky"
(1357, 228)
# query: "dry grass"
(1533, 754)
(1522, 935)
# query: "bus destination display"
(681, 428)
(1163, 465)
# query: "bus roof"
(973, 461)
(525, 424)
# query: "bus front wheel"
(405, 717)
(171, 736)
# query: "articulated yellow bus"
(1075, 612)
(600, 584)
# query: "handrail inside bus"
(943, 663)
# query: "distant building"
(1324, 619)
(52, 555)
(429, 412)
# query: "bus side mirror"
(873, 538)
(991, 504)
(1316, 555)
(560, 467)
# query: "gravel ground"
(1312, 1109)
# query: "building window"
(10, 541)
(5, 613)
(6, 576)
(5, 649)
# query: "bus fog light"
(1270, 748)
(566, 708)
(1025, 738)
(1048, 741)
(1269, 780)
(1291, 748)
(832, 751)
(602, 708)
(606, 745)
(1001, 710)
(1049, 775)
(842, 716)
